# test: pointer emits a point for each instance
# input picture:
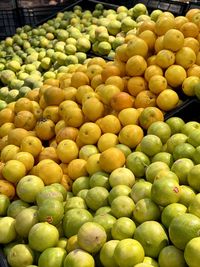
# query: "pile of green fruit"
(144, 214)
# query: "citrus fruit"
(191, 253)
(171, 256)
(152, 237)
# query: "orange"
(89, 95)
(45, 129)
(128, 116)
(53, 96)
(59, 125)
(81, 91)
(145, 99)
(52, 82)
(106, 92)
(165, 58)
(89, 133)
(13, 171)
(179, 21)
(120, 52)
(157, 84)
(121, 101)
(148, 25)
(163, 24)
(189, 29)
(151, 60)
(117, 81)
(159, 44)
(93, 109)
(149, 37)
(67, 150)
(151, 71)
(136, 84)
(137, 46)
(189, 85)
(51, 113)
(25, 119)
(7, 188)
(198, 59)
(74, 117)
(93, 70)
(185, 57)
(70, 93)
(66, 182)
(96, 80)
(9, 152)
(50, 172)
(109, 124)
(192, 43)
(17, 135)
(66, 133)
(6, 115)
(23, 104)
(79, 78)
(191, 12)
(26, 158)
(109, 70)
(131, 135)
(196, 19)
(93, 164)
(32, 145)
(3, 142)
(106, 141)
(175, 75)
(77, 168)
(33, 95)
(64, 167)
(150, 115)
(111, 159)
(42, 102)
(97, 61)
(62, 109)
(48, 153)
(167, 100)
(5, 128)
(194, 71)
(36, 110)
(136, 66)
(173, 40)
(121, 66)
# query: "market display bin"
(176, 7)
(188, 111)
(9, 21)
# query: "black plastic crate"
(175, 7)
(193, 4)
(37, 15)
(189, 110)
(127, 3)
(8, 22)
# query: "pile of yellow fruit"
(86, 119)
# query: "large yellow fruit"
(175, 75)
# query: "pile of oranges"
(88, 119)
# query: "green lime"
(154, 168)
(152, 237)
(183, 228)
(171, 256)
(165, 191)
(194, 206)
(172, 211)
(187, 195)
(146, 210)
(140, 190)
(192, 252)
